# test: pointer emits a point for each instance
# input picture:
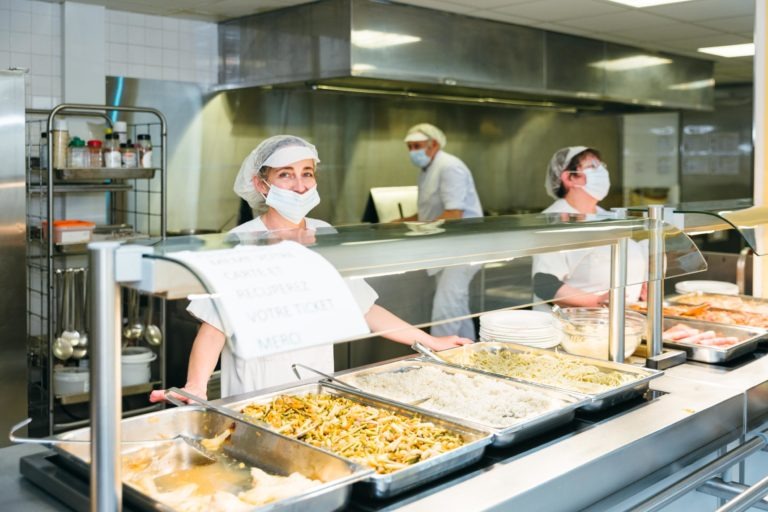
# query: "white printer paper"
(278, 298)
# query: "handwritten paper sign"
(278, 298)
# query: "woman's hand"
(438, 343)
(159, 395)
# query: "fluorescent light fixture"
(647, 3)
(696, 84)
(731, 50)
(362, 68)
(377, 39)
(627, 63)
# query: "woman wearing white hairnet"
(281, 172)
(577, 179)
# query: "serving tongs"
(426, 351)
(52, 441)
(331, 378)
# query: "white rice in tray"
(477, 397)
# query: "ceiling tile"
(735, 25)
(484, 4)
(625, 20)
(439, 5)
(506, 18)
(556, 10)
(706, 9)
(667, 32)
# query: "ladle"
(81, 323)
(69, 333)
(134, 329)
(61, 347)
(152, 333)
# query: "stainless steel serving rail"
(706, 475)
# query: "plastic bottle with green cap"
(78, 154)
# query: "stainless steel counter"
(704, 408)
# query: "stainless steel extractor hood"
(388, 48)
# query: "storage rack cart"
(134, 207)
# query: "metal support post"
(106, 405)
(655, 280)
(617, 300)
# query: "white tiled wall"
(137, 46)
(143, 46)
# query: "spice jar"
(95, 158)
(112, 155)
(145, 150)
(130, 157)
(120, 128)
(77, 155)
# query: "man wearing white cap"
(446, 191)
(578, 179)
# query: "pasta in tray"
(550, 369)
(372, 436)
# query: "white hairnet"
(419, 131)
(557, 164)
(275, 151)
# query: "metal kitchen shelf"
(136, 389)
(49, 192)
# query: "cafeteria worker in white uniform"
(281, 172)
(577, 179)
(446, 191)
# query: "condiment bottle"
(44, 150)
(120, 128)
(130, 158)
(60, 141)
(145, 150)
(77, 157)
(95, 158)
(112, 156)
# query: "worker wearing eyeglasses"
(578, 180)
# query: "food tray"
(740, 303)
(460, 356)
(706, 313)
(104, 173)
(249, 444)
(518, 430)
(384, 486)
(748, 340)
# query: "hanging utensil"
(69, 333)
(134, 328)
(152, 333)
(81, 323)
(62, 347)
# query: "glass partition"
(442, 278)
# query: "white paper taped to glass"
(277, 298)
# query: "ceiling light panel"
(377, 39)
(647, 3)
(633, 62)
(731, 50)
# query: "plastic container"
(585, 332)
(144, 146)
(130, 155)
(77, 157)
(135, 365)
(95, 158)
(112, 155)
(70, 380)
(120, 129)
(70, 231)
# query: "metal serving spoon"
(152, 333)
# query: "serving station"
(607, 441)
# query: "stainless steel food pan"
(384, 486)
(512, 431)
(640, 377)
(274, 453)
(741, 303)
(748, 339)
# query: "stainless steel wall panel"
(13, 230)
(568, 60)
(451, 49)
(679, 82)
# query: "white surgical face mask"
(598, 182)
(292, 205)
(419, 158)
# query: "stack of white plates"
(533, 328)
(723, 287)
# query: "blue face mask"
(419, 158)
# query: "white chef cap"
(276, 151)
(426, 131)
(557, 164)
